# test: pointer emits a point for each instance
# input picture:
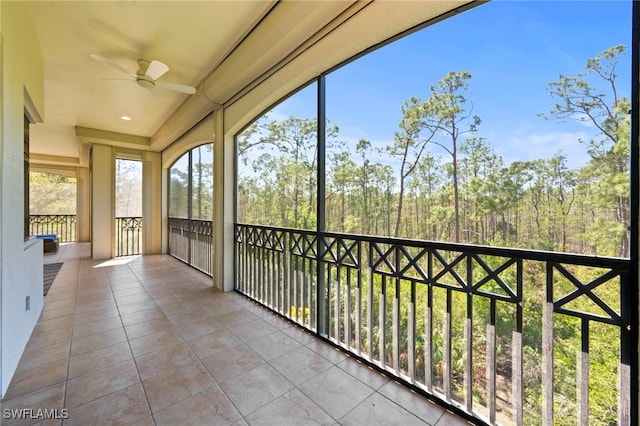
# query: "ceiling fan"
(147, 75)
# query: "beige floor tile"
(212, 344)
(299, 334)
(227, 364)
(174, 306)
(49, 325)
(122, 407)
(50, 398)
(255, 388)
(136, 307)
(336, 391)
(97, 340)
(142, 316)
(56, 313)
(54, 305)
(125, 299)
(292, 408)
(300, 365)
(327, 351)
(252, 330)
(147, 421)
(378, 410)
(82, 329)
(273, 345)
(208, 407)
(367, 375)
(449, 419)
(91, 316)
(161, 341)
(145, 328)
(420, 406)
(100, 358)
(181, 383)
(37, 378)
(101, 305)
(34, 356)
(100, 383)
(235, 317)
(196, 329)
(160, 363)
(130, 291)
(42, 338)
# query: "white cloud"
(535, 146)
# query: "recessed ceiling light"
(126, 118)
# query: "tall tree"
(447, 116)
(592, 97)
(409, 146)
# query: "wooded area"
(51, 194)
(440, 180)
(191, 184)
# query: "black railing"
(507, 336)
(63, 225)
(191, 241)
(128, 236)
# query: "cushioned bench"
(50, 241)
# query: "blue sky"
(513, 49)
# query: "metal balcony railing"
(507, 336)
(63, 225)
(128, 236)
(191, 241)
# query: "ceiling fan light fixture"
(145, 82)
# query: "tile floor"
(146, 341)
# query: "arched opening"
(190, 207)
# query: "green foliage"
(51, 194)
(472, 196)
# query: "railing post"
(547, 350)
(321, 290)
(516, 356)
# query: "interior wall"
(21, 87)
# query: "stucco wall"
(102, 201)
(22, 82)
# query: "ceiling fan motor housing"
(145, 82)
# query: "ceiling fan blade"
(156, 69)
(177, 87)
(119, 80)
(156, 93)
(112, 64)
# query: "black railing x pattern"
(62, 225)
(484, 329)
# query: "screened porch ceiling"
(222, 48)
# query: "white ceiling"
(226, 44)
(190, 37)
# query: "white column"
(102, 201)
(83, 204)
(151, 203)
(224, 214)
